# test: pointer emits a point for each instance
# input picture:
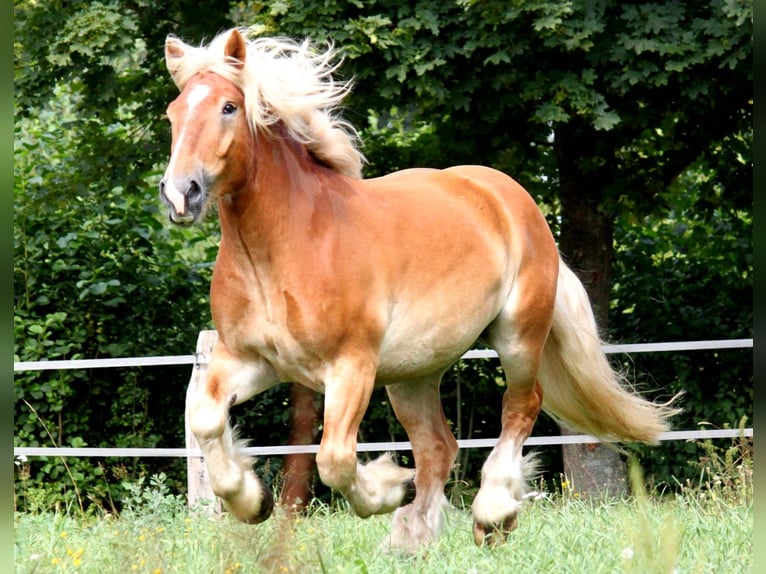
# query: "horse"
(344, 285)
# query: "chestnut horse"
(343, 284)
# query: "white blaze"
(199, 93)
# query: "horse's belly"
(420, 346)
(414, 362)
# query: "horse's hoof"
(494, 534)
(409, 492)
(241, 512)
(267, 507)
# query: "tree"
(108, 53)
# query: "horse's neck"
(280, 193)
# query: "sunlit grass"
(706, 528)
(560, 535)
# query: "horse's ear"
(235, 51)
(174, 53)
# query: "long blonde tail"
(580, 388)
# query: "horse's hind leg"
(496, 506)
(228, 382)
(299, 467)
(518, 335)
(418, 407)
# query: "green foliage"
(489, 74)
(97, 273)
(688, 275)
(724, 472)
(644, 110)
(155, 501)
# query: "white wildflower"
(534, 495)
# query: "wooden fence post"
(199, 488)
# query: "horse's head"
(210, 130)
(235, 88)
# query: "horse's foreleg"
(374, 488)
(228, 382)
(418, 407)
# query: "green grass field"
(682, 534)
(706, 528)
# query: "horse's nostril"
(194, 194)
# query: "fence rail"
(96, 452)
(199, 486)
(200, 359)
(21, 366)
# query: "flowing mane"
(288, 82)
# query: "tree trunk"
(299, 468)
(591, 470)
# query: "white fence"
(198, 486)
(200, 359)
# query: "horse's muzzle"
(184, 204)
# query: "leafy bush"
(154, 500)
(97, 273)
(687, 275)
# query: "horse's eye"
(229, 108)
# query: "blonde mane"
(283, 81)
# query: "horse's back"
(460, 216)
(476, 191)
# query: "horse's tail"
(580, 388)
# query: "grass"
(706, 528)
(563, 535)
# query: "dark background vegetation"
(630, 124)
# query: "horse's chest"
(295, 336)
